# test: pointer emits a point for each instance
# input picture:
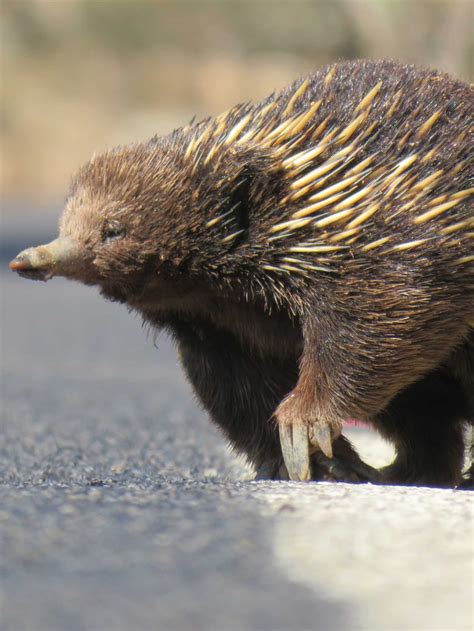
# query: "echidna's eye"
(112, 231)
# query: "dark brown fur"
(379, 333)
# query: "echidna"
(312, 255)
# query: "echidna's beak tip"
(19, 263)
(42, 262)
(28, 264)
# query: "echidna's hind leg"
(461, 366)
(467, 480)
(426, 423)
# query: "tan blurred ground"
(78, 76)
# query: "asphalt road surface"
(122, 509)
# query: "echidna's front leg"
(354, 368)
(336, 382)
(304, 424)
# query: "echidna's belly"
(273, 334)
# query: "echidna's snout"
(45, 261)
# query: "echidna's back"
(378, 159)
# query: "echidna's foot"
(313, 447)
(467, 479)
(301, 434)
(344, 466)
(273, 469)
(399, 473)
(298, 441)
(336, 470)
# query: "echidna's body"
(317, 245)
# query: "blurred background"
(120, 507)
(78, 76)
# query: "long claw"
(294, 441)
(321, 437)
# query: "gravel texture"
(121, 508)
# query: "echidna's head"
(114, 230)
